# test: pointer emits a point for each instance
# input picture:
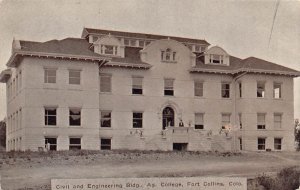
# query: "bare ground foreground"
(34, 170)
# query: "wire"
(274, 18)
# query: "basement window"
(261, 143)
(50, 143)
(75, 144)
(105, 144)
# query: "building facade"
(121, 90)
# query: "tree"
(297, 133)
(2, 133)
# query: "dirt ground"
(34, 170)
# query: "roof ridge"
(145, 34)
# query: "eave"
(5, 75)
(247, 70)
(128, 65)
(14, 59)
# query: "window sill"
(225, 98)
(199, 97)
(137, 94)
(75, 126)
(107, 93)
(51, 126)
(277, 99)
(106, 128)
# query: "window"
(261, 121)
(75, 143)
(49, 75)
(50, 116)
(198, 88)
(197, 48)
(225, 120)
(147, 42)
(137, 85)
(141, 43)
(168, 55)
(216, 59)
(241, 143)
(277, 143)
(74, 76)
(105, 144)
(199, 121)
(169, 88)
(240, 121)
(109, 49)
(105, 119)
(75, 116)
(260, 89)
(261, 143)
(240, 89)
(277, 120)
(50, 143)
(126, 42)
(132, 42)
(277, 90)
(137, 120)
(225, 92)
(105, 83)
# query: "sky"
(241, 27)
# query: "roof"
(250, 64)
(87, 31)
(76, 48)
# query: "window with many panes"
(225, 119)
(75, 116)
(74, 76)
(137, 120)
(50, 116)
(216, 59)
(260, 89)
(50, 143)
(105, 83)
(50, 75)
(137, 85)
(169, 87)
(261, 144)
(277, 143)
(277, 90)
(109, 50)
(74, 143)
(261, 121)
(105, 144)
(198, 88)
(105, 119)
(199, 124)
(225, 91)
(168, 55)
(277, 120)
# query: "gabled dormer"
(109, 45)
(216, 56)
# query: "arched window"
(168, 117)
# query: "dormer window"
(168, 55)
(216, 59)
(109, 50)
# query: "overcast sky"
(242, 28)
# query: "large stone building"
(121, 90)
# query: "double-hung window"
(74, 143)
(261, 143)
(277, 90)
(199, 124)
(137, 85)
(198, 88)
(74, 116)
(105, 119)
(74, 76)
(277, 120)
(225, 90)
(225, 119)
(105, 83)
(260, 89)
(50, 116)
(169, 87)
(261, 121)
(137, 120)
(105, 144)
(50, 75)
(277, 143)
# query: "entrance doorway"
(168, 117)
(180, 146)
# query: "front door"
(168, 117)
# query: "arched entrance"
(168, 117)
